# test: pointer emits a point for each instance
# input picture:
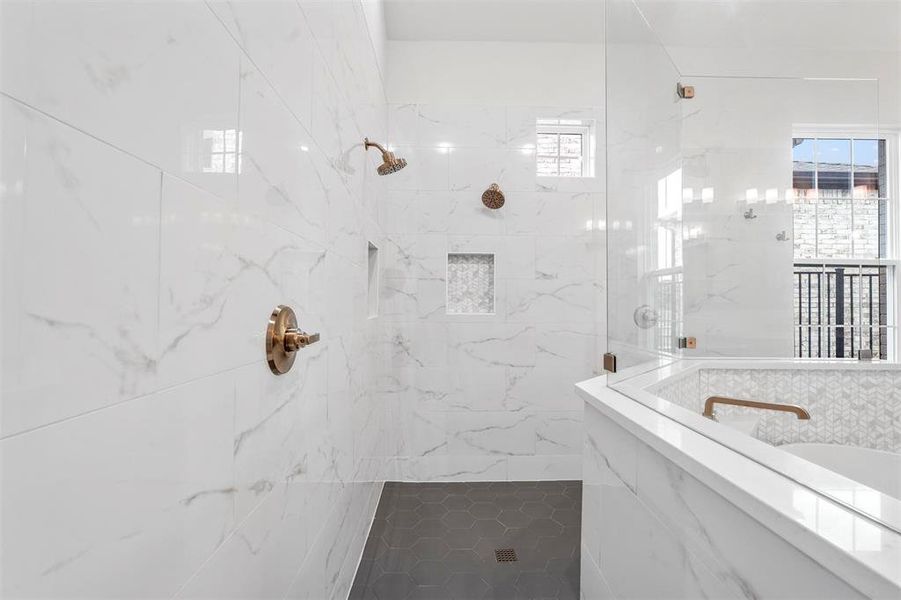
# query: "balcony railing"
(840, 309)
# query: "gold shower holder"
(284, 338)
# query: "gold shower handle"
(284, 338)
(296, 339)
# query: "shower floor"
(439, 540)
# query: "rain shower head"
(493, 197)
(390, 163)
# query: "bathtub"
(877, 469)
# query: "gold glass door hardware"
(686, 92)
(689, 343)
(610, 362)
(284, 339)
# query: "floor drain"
(505, 555)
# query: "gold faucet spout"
(799, 411)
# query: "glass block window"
(470, 284)
(840, 196)
(564, 148)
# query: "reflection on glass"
(220, 151)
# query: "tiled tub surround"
(489, 397)
(714, 523)
(851, 405)
(147, 451)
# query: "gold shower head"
(493, 197)
(390, 163)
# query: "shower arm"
(799, 411)
(367, 144)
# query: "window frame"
(892, 258)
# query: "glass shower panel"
(774, 214)
(644, 191)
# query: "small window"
(564, 148)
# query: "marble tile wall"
(146, 449)
(489, 396)
(638, 508)
(847, 406)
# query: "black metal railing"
(839, 310)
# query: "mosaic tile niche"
(470, 284)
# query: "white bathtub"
(874, 468)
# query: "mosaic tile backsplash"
(470, 284)
(852, 407)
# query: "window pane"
(869, 168)
(570, 144)
(805, 227)
(834, 168)
(866, 227)
(547, 166)
(803, 170)
(570, 167)
(547, 143)
(834, 228)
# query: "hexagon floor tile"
(437, 540)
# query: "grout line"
(118, 403)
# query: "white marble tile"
(490, 345)
(544, 467)
(541, 388)
(275, 35)
(453, 468)
(218, 282)
(726, 538)
(492, 433)
(97, 65)
(474, 169)
(280, 179)
(459, 126)
(89, 288)
(121, 503)
(427, 168)
(547, 301)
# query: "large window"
(844, 262)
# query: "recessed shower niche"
(470, 284)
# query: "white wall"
(147, 450)
(496, 73)
(490, 396)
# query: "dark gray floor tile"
(513, 518)
(392, 586)
(430, 572)
(457, 501)
(464, 586)
(438, 540)
(484, 510)
(458, 519)
(462, 539)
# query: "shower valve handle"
(284, 338)
(296, 339)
